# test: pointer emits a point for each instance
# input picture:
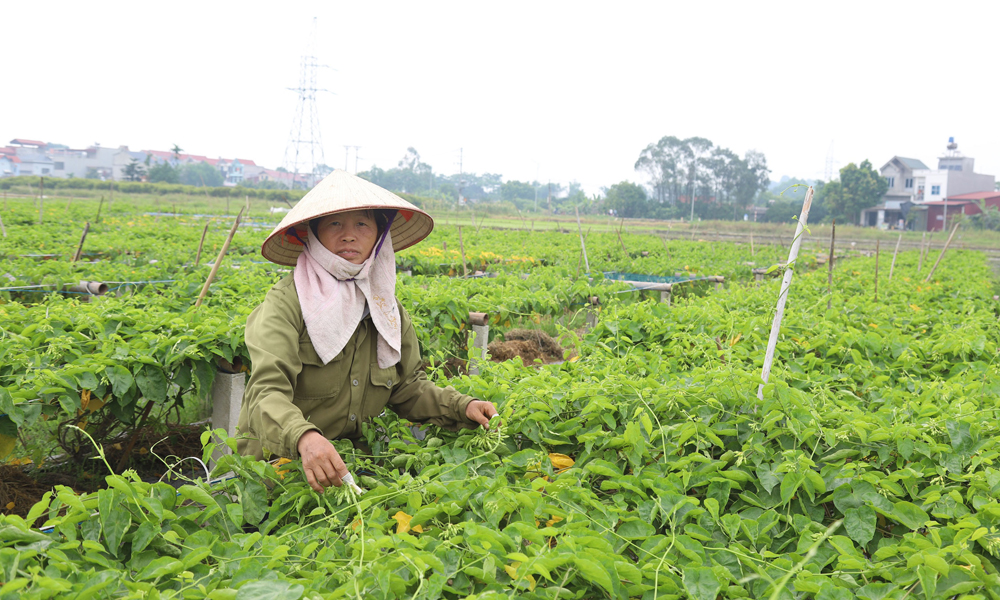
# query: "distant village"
(33, 157)
(919, 198)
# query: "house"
(94, 161)
(941, 214)
(912, 184)
(10, 165)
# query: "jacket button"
(389, 383)
(355, 382)
(353, 418)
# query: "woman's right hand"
(320, 461)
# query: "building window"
(908, 183)
(891, 181)
(935, 190)
(60, 166)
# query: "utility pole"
(356, 148)
(347, 151)
(305, 142)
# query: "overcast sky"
(554, 91)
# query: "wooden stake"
(583, 245)
(2, 228)
(5, 199)
(197, 258)
(461, 249)
(622, 224)
(829, 275)
(920, 264)
(943, 250)
(41, 198)
(876, 268)
(524, 224)
(79, 249)
(481, 221)
(218, 260)
(786, 283)
(892, 267)
(751, 243)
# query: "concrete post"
(227, 396)
(665, 297)
(481, 328)
(718, 283)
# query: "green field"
(641, 466)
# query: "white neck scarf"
(333, 292)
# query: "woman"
(330, 346)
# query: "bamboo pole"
(892, 267)
(920, 264)
(218, 260)
(2, 228)
(829, 275)
(481, 221)
(786, 283)
(751, 242)
(197, 258)
(620, 236)
(111, 191)
(461, 250)
(100, 205)
(583, 245)
(943, 250)
(41, 198)
(876, 268)
(79, 248)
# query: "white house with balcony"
(911, 182)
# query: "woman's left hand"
(481, 412)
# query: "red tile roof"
(976, 196)
(25, 142)
(246, 162)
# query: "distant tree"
(133, 171)
(627, 199)
(281, 170)
(860, 187)
(514, 189)
(92, 173)
(177, 151)
(201, 174)
(164, 173)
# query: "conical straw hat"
(339, 192)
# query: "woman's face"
(350, 235)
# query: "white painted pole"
(583, 246)
(786, 283)
(892, 267)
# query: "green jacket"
(291, 392)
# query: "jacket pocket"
(382, 383)
(317, 381)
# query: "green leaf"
(267, 589)
(603, 468)
(701, 583)
(87, 380)
(909, 514)
(160, 567)
(860, 524)
(961, 438)
(121, 379)
(142, 536)
(596, 573)
(152, 383)
(636, 529)
(789, 485)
